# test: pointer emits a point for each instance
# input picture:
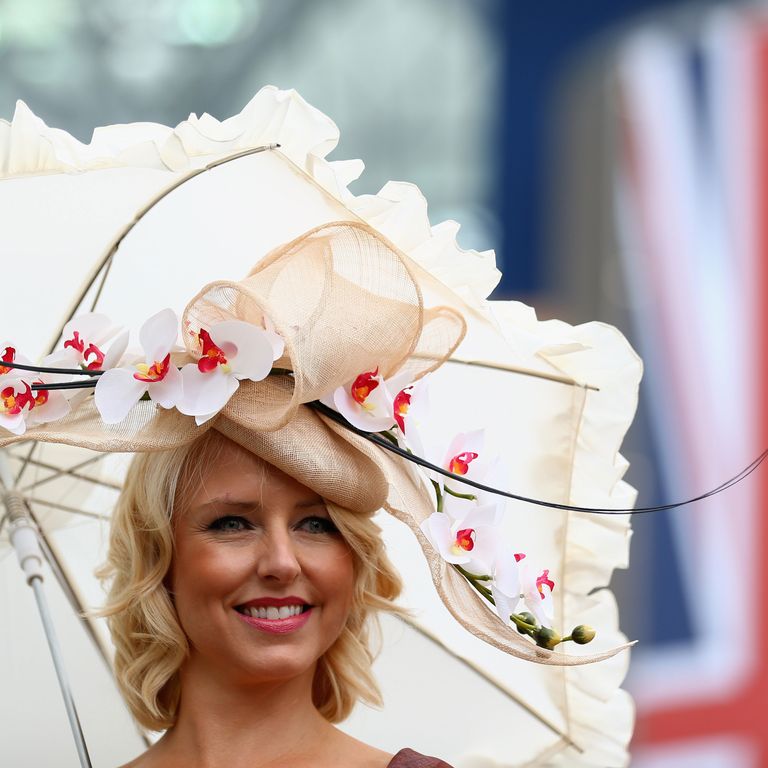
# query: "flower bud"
(529, 619)
(546, 637)
(583, 634)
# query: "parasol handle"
(24, 539)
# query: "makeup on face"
(277, 615)
(262, 579)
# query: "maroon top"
(407, 758)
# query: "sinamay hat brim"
(569, 455)
(344, 300)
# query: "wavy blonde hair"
(150, 645)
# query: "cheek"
(340, 579)
(201, 569)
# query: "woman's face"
(262, 580)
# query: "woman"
(240, 608)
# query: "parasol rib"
(106, 259)
(522, 371)
(70, 510)
(72, 472)
(74, 599)
(492, 681)
(25, 461)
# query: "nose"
(277, 559)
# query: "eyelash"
(326, 525)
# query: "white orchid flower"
(515, 579)
(16, 400)
(411, 413)
(468, 457)
(366, 402)
(470, 542)
(62, 358)
(8, 355)
(119, 389)
(536, 592)
(505, 586)
(466, 454)
(48, 404)
(465, 457)
(35, 406)
(85, 339)
(230, 351)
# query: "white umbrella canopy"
(557, 422)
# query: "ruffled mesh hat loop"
(342, 299)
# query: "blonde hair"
(150, 645)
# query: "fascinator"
(358, 354)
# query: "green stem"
(524, 625)
(392, 439)
(440, 498)
(456, 494)
(472, 579)
(473, 576)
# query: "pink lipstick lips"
(276, 615)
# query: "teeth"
(272, 612)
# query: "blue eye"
(229, 523)
(318, 525)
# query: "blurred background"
(613, 153)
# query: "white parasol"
(147, 215)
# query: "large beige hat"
(344, 300)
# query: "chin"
(266, 666)
(280, 668)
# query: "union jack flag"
(691, 193)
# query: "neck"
(223, 723)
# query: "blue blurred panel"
(537, 40)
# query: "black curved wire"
(396, 449)
(44, 369)
(388, 445)
(90, 383)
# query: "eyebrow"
(228, 501)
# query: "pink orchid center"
(363, 385)
(401, 406)
(9, 401)
(8, 357)
(40, 396)
(459, 464)
(464, 541)
(155, 372)
(97, 355)
(75, 343)
(212, 355)
(13, 402)
(543, 580)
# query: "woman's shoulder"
(407, 758)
